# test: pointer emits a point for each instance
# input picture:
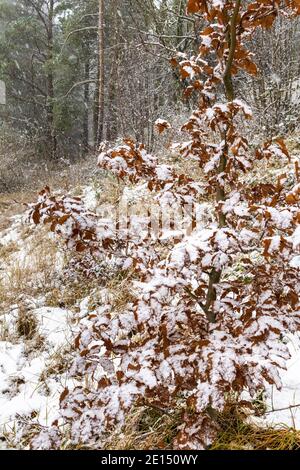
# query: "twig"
(283, 409)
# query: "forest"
(149, 225)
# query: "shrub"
(197, 329)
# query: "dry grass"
(32, 274)
(236, 434)
(5, 333)
(119, 288)
(26, 324)
(109, 190)
(12, 204)
(24, 165)
(293, 143)
(146, 429)
(149, 429)
(67, 296)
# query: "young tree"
(209, 311)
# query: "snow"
(147, 376)
(12, 235)
(218, 3)
(275, 243)
(283, 407)
(90, 198)
(296, 238)
(295, 262)
(27, 390)
(206, 40)
(135, 193)
(189, 70)
(247, 110)
(22, 390)
(164, 172)
(52, 324)
(282, 219)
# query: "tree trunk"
(215, 275)
(50, 86)
(52, 138)
(112, 125)
(101, 100)
(85, 139)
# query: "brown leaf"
(162, 125)
(63, 219)
(36, 217)
(77, 341)
(80, 247)
(64, 394)
(193, 6)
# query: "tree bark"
(85, 140)
(52, 138)
(215, 275)
(101, 83)
(112, 125)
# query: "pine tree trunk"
(52, 138)
(112, 127)
(101, 99)
(85, 139)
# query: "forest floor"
(40, 309)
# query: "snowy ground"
(24, 391)
(284, 405)
(30, 385)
